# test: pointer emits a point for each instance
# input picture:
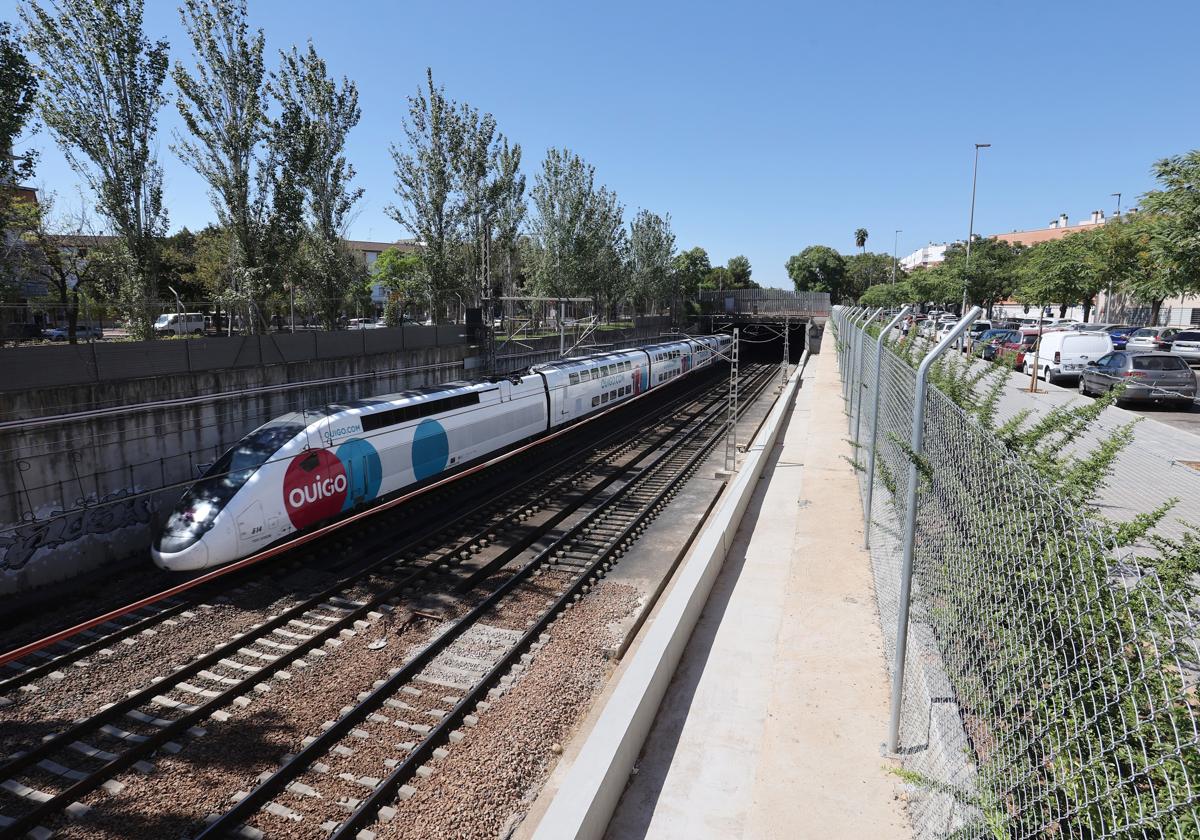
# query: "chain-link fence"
(1050, 675)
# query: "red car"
(1016, 350)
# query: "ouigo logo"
(314, 487)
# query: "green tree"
(1111, 254)
(860, 239)
(1158, 274)
(651, 252)
(316, 115)
(579, 238)
(429, 205)
(991, 275)
(223, 104)
(866, 270)
(717, 279)
(935, 284)
(1174, 235)
(819, 268)
(18, 88)
(1055, 271)
(510, 209)
(739, 273)
(102, 89)
(887, 295)
(402, 274)
(691, 267)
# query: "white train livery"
(308, 468)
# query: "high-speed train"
(311, 467)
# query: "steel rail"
(307, 537)
(152, 742)
(247, 806)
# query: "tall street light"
(895, 249)
(971, 228)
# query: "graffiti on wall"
(121, 509)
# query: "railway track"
(330, 556)
(47, 780)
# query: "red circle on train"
(314, 487)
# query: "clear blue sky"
(764, 128)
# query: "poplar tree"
(651, 251)
(511, 208)
(223, 103)
(429, 205)
(102, 88)
(316, 115)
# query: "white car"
(180, 323)
(1063, 354)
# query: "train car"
(308, 468)
(579, 387)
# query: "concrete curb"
(593, 786)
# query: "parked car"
(180, 323)
(1018, 344)
(1065, 353)
(82, 332)
(1152, 338)
(1147, 377)
(1119, 333)
(988, 345)
(1187, 345)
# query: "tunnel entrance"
(762, 338)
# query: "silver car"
(1147, 377)
(1187, 344)
(1152, 338)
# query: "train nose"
(179, 559)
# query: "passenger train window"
(574, 378)
(383, 419)
(595, 401)
(604, 398)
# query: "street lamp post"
(971, 227)
(895, 250)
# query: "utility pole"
(971, 226)
(731, 431)
(895, 253)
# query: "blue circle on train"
(364, 470)
(430, 449)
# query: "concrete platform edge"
(592, 788)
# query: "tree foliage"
(102, 81)
(989, 276)
(578, 236)
(651, 254)
(223, 104)
(866, 270)
(819, 268)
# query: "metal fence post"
(910, 520)
(875, 424)
(848, 339)
(862, 372)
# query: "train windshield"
(202, 502)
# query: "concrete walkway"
(773, 724)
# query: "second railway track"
(430, 594)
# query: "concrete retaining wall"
(91, 468)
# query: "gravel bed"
(184, 788)
(78, 691)
(484, 787)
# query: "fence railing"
(1050, 679)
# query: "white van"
(1064, 354)
(180, 323)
